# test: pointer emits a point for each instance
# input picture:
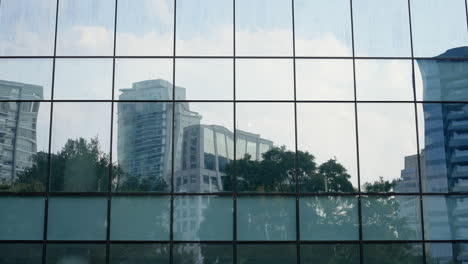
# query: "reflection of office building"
(409, 181)
(145, 129)
(18, 128)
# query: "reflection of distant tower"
(18, 128)
(145, 129)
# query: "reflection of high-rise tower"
(145, 129)
(18, 128)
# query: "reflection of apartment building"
(18, 128)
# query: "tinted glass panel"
(149, 218)
(264, 28)
(393, 253)
(329, 218)
(145, 27)
(444, 217)
(446, 252)
(391, 218)
(203, 253)
(387, 147)
(80, 147)
(85, 27)
(272, 254)
(21, 253)
(22, 218)
(266, 218)
(77, 218)
(204, 27)
(322, 28)
(327, 143)
(330, 253)
(324, 79)
(27, 27)
(76, 253)
(203, 218)
(139, 253)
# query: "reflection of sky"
(263, 27)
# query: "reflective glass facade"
(234, 131)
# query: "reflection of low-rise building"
(18, 128)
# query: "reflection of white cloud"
(326, 45)
(159, 9)
(86, 40)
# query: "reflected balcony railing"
(459, 125)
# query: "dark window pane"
(22, 218)
(392, 253)
(204, 147)
(323, 28)
(326, 140)
(27, 27)
(142, 147)
(445, 217)
(203, 253)
(446, 253)
(138, 253)
(21, 253)
(387, 147)
(149, 218)
(86, 27)
(83, 79)
(76, 253)
(203, 218)
(271, 254)
(77, 218)
(381, 28)
(266, 218)
(80, 147)
(204, 27)
(145, 27)
(391, 218)
(329, 218)
(264, 28)
(330, 253)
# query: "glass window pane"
(200, 127)
(381, 28)
(327, 159)
(204, 27)
(267, 253)
(149, 218)
(24, 145)
(330, 253)
(145, 27)
(27, 27)
(76, 253)
(138, 253)
(203, 253)
(22, 218)
(272, 169)
(387, 147)
(77, 218)
(324, 79)
(86, 28)
(323, 28)
(329, 218)
(384, 80)
(391, 218)
(443, 141)
(254, 79)
(264, 28)
(80, 147)
(438, 25)
(21, 253)
(203, 218)
(392, 253)
(83, 79)
(204, 79)
(442, 80)
(142, 149)
(25, 79)
(445, 218)
(143, 79)
(266, 218)
(446, 252)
